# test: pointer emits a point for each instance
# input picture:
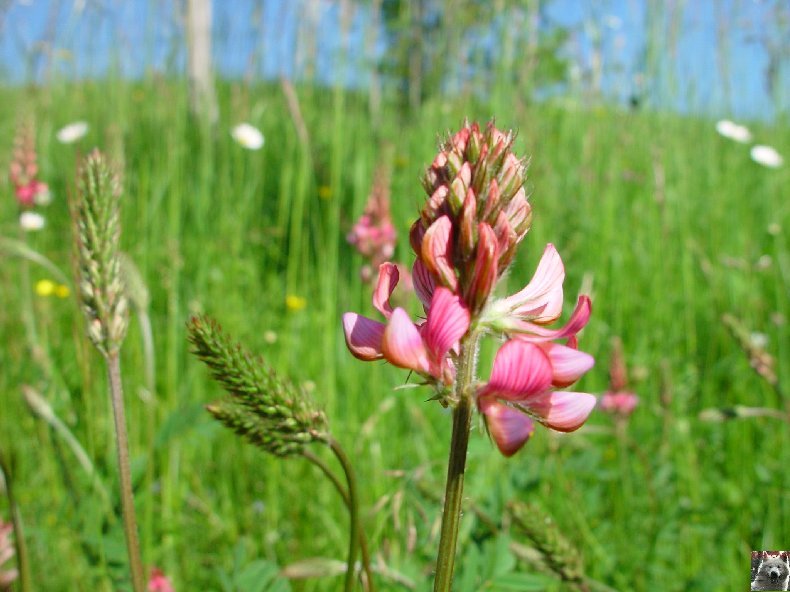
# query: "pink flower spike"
(521, 370)
(437, 251)
(562, 411)
(388, 279)
(363, 336)
(424, 283)
(568, 364)
(619, 403)
(541, 299)
(448, 320)
(402, 343)
(535, 333)
(510, 428)
(159, 582)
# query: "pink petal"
(520, 370)
(448, 320)
(568, 364)
(437, 251)
(485, 271)
(363, 336)
(388, 279)
(535, 333)
(402, 344)
(424, 283)
(561, 410)
(510, 428)
(541, 299)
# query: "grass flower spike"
(269, 411)
(97, 216)
(97, 231)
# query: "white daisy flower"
(31, 221)
(733, 131)
(72, 132)
(248, 136)
(767, 156)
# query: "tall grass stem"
(127, 498)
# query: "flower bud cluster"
(23, 172)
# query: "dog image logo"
(770, 570)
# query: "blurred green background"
(669, 225)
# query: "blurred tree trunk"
(202, 100)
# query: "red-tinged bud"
(468, 225)
(512, 177)
(436, 205)
(460, 139)
(475, 144)
(492, 203)
(486, 269)
(455, 160)
(437, 252)
(519, 213)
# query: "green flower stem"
(20, 547)
(353, 511)
(127, 498)
(454, 490)
(363, 539)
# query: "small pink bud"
(485, 271)
(468, 225)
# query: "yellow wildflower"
(324, 192)
(293, 302)
(62, 291)
(45, 287)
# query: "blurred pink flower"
(618, 400)
(374, 234)
(7, 577)
(159, 582)
(620, 403)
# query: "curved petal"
(535, 333)
(363, 336)
(541, 299)
(402, 344)
(561, 410)
(436, 252)
(485, 271)
(567, 363)
(448, 320)
(424, 283)
(520, 370)
(388, 279)
(510, 428)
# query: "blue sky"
(263, 38)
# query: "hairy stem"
(127, 498)
(353, 511)
(363, 539)
(454, 490)
(20, 547)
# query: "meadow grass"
(662, 218)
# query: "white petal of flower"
(30, 221)
(766, 156)
(248, 136)
(72, 132)
(733, 131)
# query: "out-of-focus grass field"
(667, 222)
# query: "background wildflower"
(72, 132)
(766, 156)
(248, 136)
(159, 582)
(733, 131)
(7, 576)
(31, 221)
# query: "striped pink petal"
(510, 428)
(424, 283)
(388, 279)
(561, 410)
(541, 299)
(402, 344)
(567, 363)
(535, 333)
(436, 252)
(521, 370)
(448, 320)
(363, 336)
